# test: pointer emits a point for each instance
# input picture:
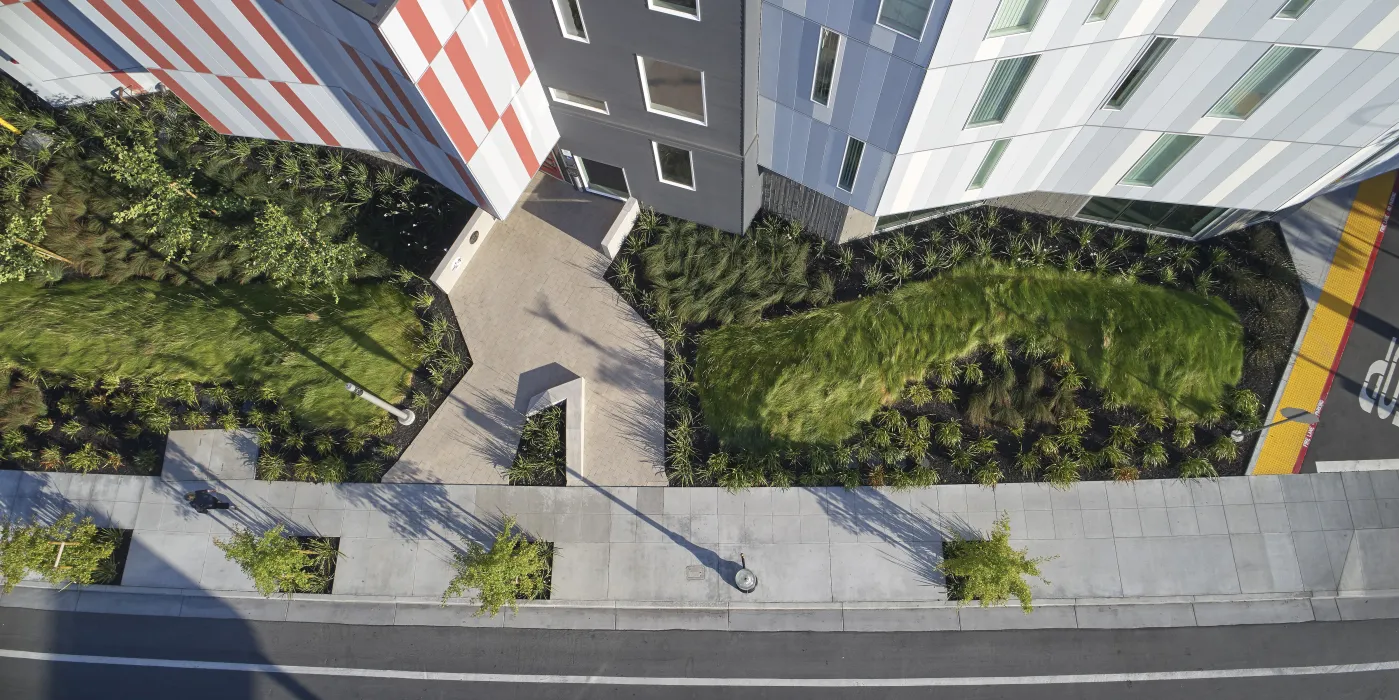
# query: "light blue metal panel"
(868, 83)
(770, 56)
(856, 19)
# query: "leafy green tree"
(34, 549)
(513, 568)
(301, 251)
(991, 570)
(20, 254)
(167, 207)
(279, 563)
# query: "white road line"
(1066, 679)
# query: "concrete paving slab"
(648, 572)
(882, 572)
(581, 572)
(210, 455)
(1368, 607)
(435, 615)
(786, 572)
(1373, 561)
(1155, 566)
(432, 567)
(268, 609)
(1365, 515)
(302, 609)
(786, 620)
(1313, 561)
(597, 618)
(1266, 563)
(1013, 618)
(1084, 568)
(166, 559)
(1135, 616)
(1325, 610)
(884, 617)
(375, 567)
(119, 603)
(1097, 524)
(672, 618)
(1149, 493)
(1253, 612)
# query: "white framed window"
(1140, 70)
(578, 100)
(1015, 17)
(1184, 219)
(1264, 78)
(689, 9)
(1159, 159)
(603, 178)
(570, 16)
(673, 90)
(850, 164)
(674, 165)
(828, 53)
(1293, 9)
(1008, 76)
(906, 17)
(988, 164)
(1101, 11)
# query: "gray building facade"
(622, 54)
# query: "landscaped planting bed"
(984, 347)
(541, 458)
(156, 276)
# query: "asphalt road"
(556, 664)
(1352, 429)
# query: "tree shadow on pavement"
(917, 537)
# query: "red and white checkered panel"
(458, 101)
(468, 61)
(56, 53)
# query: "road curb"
(1082, 613)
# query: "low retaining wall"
(1082, 613)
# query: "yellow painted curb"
(1310, 378)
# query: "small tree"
(35, 549)
(279, 563)
(991, 570)
(167, 207)
(513, 568)
(301, 251)
(20, 254)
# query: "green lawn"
(812, 377)
(302, 350)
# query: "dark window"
(850, 165)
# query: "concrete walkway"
(1311, 534)
(536, 313)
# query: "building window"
(603, 178)
(1159, 159)
(684, 8)
(1261, 81)
(894, 221)
(1185, 219)
(1293, 9)
(1015, 17)
(827, 57)
(577, 100)
(988, 164)
(906, 17)
(850, 164)
(1137, 75)
(1001, 89)
(672, 90)
(571, 19)
(1101, 11)
(674, 166)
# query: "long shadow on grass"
(916, 536)
(253, 317)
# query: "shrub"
(32, 549)
(279, 563)
(990, 571)
(514, 568)
(541, 458)
(1149, 346)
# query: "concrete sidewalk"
(1315, 534)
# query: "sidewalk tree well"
(280, 563)
(513, 569)
(990, 571)
(35, 549)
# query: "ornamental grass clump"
(990, 571)
(814, 377)
(513, 569)
(280, 563)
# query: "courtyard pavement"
(1325, 534)
(536, 312)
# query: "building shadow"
(582, 216)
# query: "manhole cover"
(694, 572)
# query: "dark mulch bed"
(329, 572)
(117, 565)
(1251, 270)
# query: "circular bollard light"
(746, 580)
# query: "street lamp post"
(746, 581)
(405, 416)
(1289, 415)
